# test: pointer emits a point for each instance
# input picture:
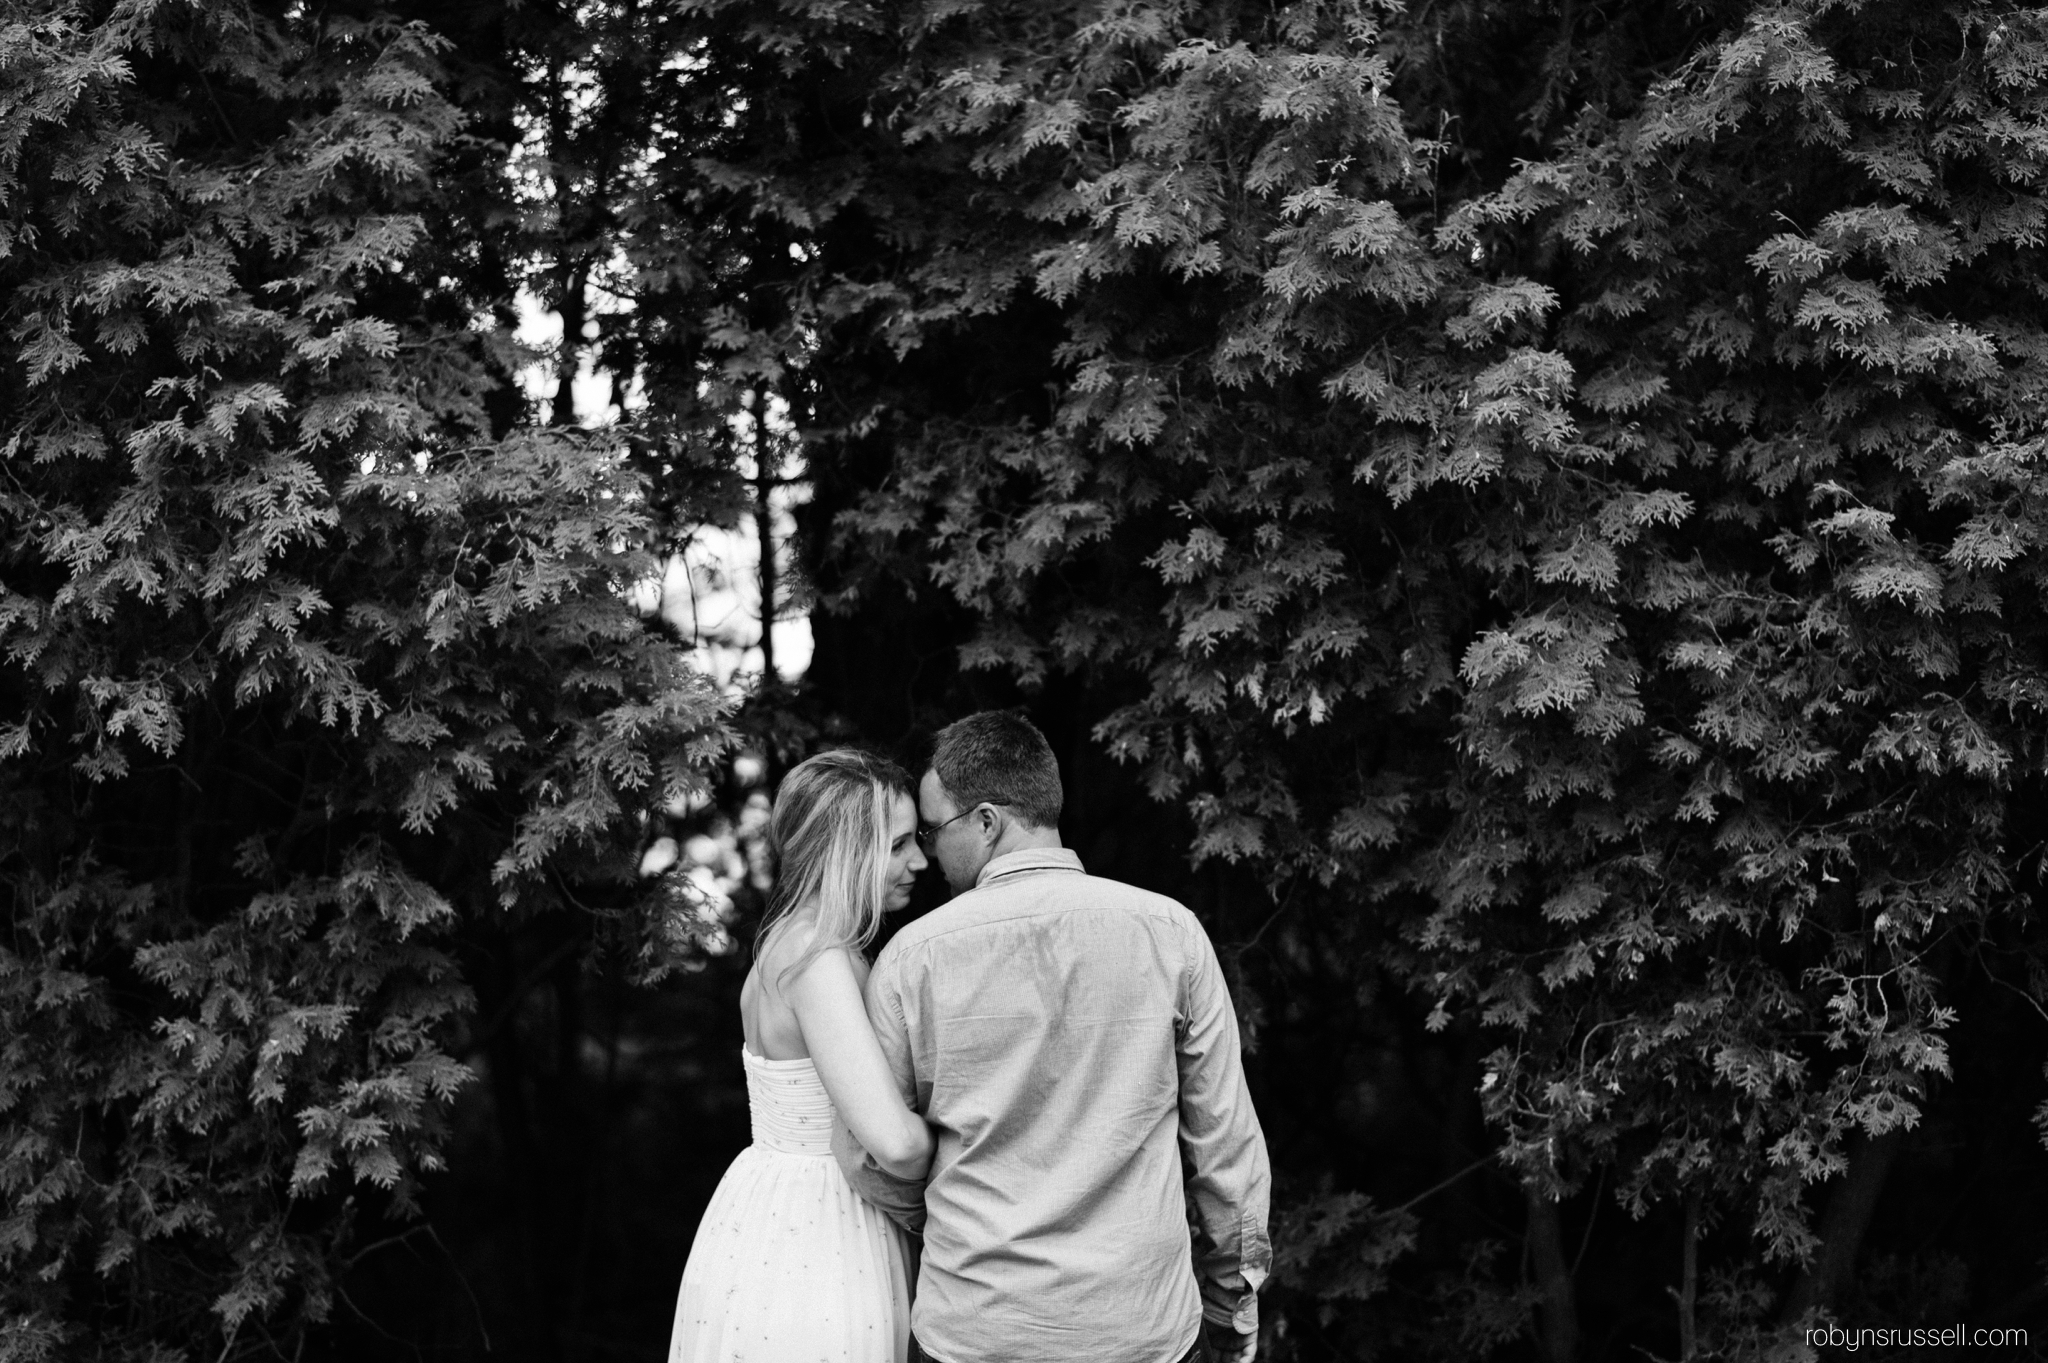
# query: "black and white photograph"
(1023, 681)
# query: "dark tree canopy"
(1591, 513)
(1529, 517)
(304, 664)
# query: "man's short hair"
(998, 757)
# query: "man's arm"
(1229, 1181)
(901, 1199)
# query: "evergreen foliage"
(306, 665)
(1607, 583)
(1545, 500)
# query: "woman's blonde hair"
(829, 836)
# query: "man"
(1071, 1041)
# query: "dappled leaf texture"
(303, 664)
(1617, 582)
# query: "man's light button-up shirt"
(1072, 1042)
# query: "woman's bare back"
(769, 1022)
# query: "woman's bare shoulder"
(786, 944)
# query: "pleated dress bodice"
(787, 1103)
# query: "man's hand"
(1227, 1345)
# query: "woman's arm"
(826, 999)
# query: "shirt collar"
(1030, 859)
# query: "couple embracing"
(1041, 1078)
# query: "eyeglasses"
(928, 831)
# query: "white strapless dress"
(789, 1265)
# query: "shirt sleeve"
(901, 1199)
(1229, 1181)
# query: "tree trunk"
(572, 1137)
(525, 1169)
(1557, 1313)
(767, 472)
(1842, 1225)
(572, 273)
(1689, 1284)
(573, 306)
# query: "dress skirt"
(789, 1264)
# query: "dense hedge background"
(1529, 517)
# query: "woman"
(789, 1264)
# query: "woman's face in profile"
(906, 859)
